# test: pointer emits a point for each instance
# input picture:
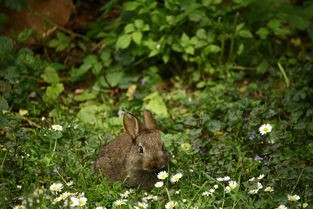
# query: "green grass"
(212, 134)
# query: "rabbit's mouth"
(153, 166)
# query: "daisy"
(231, 185)
(268, 189)
(265, 128)
(253, 191)
(170, 205)
(162, 175)
(57, 127)
(74, 202)
(120, 202)
(100, 207)
(261, 176)
(125, 194)
(293, 198)
(281, 207)
(56, 187)
(141, 205)
(159, 184)
(55, 200)
(19, 207)
(82, 201)
(176, 177)
(64, 195)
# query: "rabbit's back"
(112, 158)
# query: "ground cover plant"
(229, 84)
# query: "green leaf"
(52, 93)
(212, 49)
(6, 45)
(137, 36)
(3, 104)
(245, 34)
(262, 33)
(201, 33)
(123, 41)
(50, 75)
(156, 104)
(86, 95)
(131, 6)
(139, 23)
(129, 28)
(96, 69)
(114, 77)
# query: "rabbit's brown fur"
(134, 156)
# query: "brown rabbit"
(135, 156)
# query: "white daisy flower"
(162, 175)
(231, 185)
(56, 187)
(268, 189)
(293, 198)
(281, 207)
(253, 191)
(120, 202)
(100, 207)
(261, 176)
(265, 128)
(19, 207)
(170, 205)
(159, 184)
(57, 127)
(125, 194)
(82, 201)
(141, 205)
(176, 177)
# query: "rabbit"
(135, 156)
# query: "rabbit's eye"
(140, 149)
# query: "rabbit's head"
(148, 151)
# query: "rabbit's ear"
(132, 125)
(148, 120)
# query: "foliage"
(212, 72)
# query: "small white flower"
(293, 198)
(162, 175)
(265, 128)
(19, 187)
(19, 207)
(74, 202)
(177, 192)
(120, 202)
(215, 186)
(170, 205)
(159, 184)
(43, 118)
(253, 191)
(56, 187)
(82, 201)
(57, 199)
(226, 178)
(231, 185)
(57, 127)
(100, 207)
(260, 186)
(70, 183)
(268, 189)
(176, 177)
(207, 193)
(252, 179)
(141, 205)
(125, 194)
(281, 207)
(64, 195)
(220, 179)
(261, 176)
(305, 205)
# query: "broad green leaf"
(139, 23)
(91, 59)
(129, 28)
(123, 41)
(131, 6)
(6, 45)
(114, 77)
(245, 34)
(53, 92)
(96, 69)
(137, 36)
(201, 33)
(86, 95)
(262, 33)
(156, 104)
(212, 49)
(50, 75)
(3, 104)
